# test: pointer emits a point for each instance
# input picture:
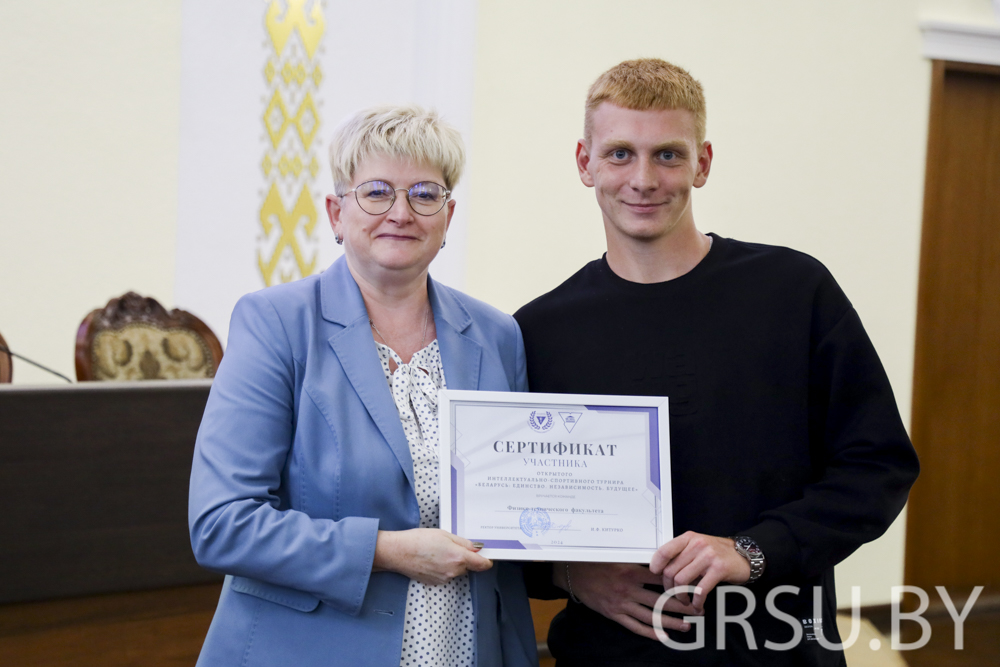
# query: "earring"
(338, 238)
(444, 242)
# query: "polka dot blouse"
(438, 628)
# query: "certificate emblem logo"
(535, 522)
(540, 421)
(570, 420)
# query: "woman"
(315, 476)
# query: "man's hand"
(615, 590)
(699, 560)
(429, 555)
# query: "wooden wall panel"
(542, 613)
(953, 525)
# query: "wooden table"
(95, 558)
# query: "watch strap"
(746, 547)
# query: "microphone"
(6, 350)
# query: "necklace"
(423, 336)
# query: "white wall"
(88, 175)
(224, 94)
(985, 12)
(817, 113)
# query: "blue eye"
(376, 191)
(427, 198)
(620, 154)
(667, 155)
(424, 195)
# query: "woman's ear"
(333, 211)
(451, 211)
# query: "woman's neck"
(399, 312)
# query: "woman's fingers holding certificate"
(469, 553)
(429, 555)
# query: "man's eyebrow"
(616, 144)
(675, 146)
(678, 146)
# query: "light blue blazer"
(301, 460)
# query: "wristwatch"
(747, 548)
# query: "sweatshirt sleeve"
(866, 461)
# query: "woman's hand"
(430, 555)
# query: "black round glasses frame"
(446, 194)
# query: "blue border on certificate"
(658, 462)
(654, 435)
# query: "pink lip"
(642, 207)
(396, 237)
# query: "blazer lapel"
(342, 303)
(460, 355)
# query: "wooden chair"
(135, 338)
(6, 362)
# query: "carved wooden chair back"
(135, 338)
(6, 362)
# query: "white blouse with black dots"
(438, 629)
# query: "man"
(784, 431)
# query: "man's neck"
(658, 260)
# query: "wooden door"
(953, 525)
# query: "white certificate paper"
(559, 477)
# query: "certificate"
(560, 477)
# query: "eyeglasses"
(377, 197)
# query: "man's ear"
(704, 164)
(583, 163)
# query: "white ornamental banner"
(262, 86)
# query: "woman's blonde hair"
(407, 132)
(647, 84)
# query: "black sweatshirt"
(783, 427)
